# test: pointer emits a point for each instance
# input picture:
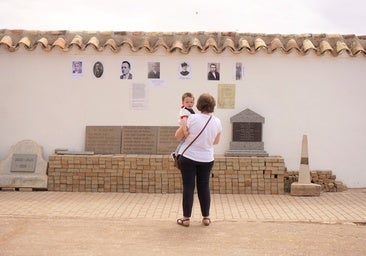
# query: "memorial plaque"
(139, 139)
(167, 142)
(103, 139)
(24, 167)
(247, 135)
(23, 163)
(247, 132)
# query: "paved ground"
(67, 223)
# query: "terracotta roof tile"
(276, 44)
(95, 42)
(60, 42)
(325, 47)
(44, 42)
(110, 42)
(292, 44)
(211, 43)
(356, 47)
(342, 46)
(308, 45)
(229, 43)
(7, 40)
(259, 43)
(25, 41)
(194, 42)
(178, 45)
(243, 45)
(77, 40)
(184, 42)
(161, 42)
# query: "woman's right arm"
(179, 133)
(217, 139)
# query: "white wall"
(322, 97)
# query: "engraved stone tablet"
(103, 139)
(139, 139)
(247, 135)
(247, 132)
(23, 163)
(167, 142)
(24, 167)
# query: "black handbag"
(177, 156)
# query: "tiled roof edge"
(183, 42)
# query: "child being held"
(185, 111)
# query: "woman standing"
(197, 157)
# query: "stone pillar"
(304, 187)
(304, 172)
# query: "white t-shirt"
(202, 149)
(183, 112)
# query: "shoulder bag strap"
(196, 136)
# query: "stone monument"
(103, 139)
(247, 135)
(304, 187)
(150, 140)
(24, 167)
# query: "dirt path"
(88, 236)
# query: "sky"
(255, 16)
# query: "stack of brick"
(117, 173)
(157, 174)
(248, 175)
(325, 178)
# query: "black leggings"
(192, 172)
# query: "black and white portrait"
(98, 69)
(77, 68)
(126, 70)
(213, 71)
(184, 70)
(154, 70)
(239, 71)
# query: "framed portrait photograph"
(77, 67)
(213, 71)
(153, 70)
(126, 70)
(98, 69)
(184, 70)
(239, 71)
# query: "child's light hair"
(187, 95)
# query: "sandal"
(206, 221)
(183, 222)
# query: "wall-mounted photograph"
(126, 70)
(184, 70)
(77, 68)
(98, 69)
(213, 71)
(239, 71)
(153, 70)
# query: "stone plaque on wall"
(139, 140)
(247, 132)
(23, 163)
(103, 139)
(154, 140)
(247, 135)
(151, 140)
(166, 140)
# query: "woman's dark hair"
(206, 103)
